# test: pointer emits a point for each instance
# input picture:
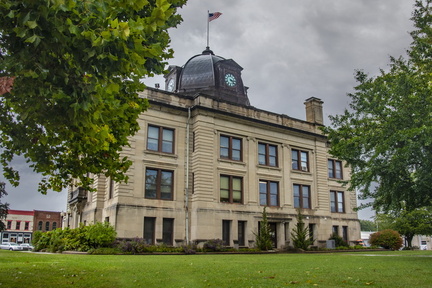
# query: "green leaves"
(78, 66)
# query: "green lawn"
(386, 269)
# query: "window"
(241, 233)
(54, 225)
(9, 224)
(110, 188)
(302, 196)
(267, 154)
(27, 225)
(269, 193)
(337, 203)
(231, 189)
(335, 230)
(300, 160)
(160, 139)
(18, 225)
(159, 184)
(345, 233)
(40, 225)
(149, 230)
(47, 224)
(226, 227)
(230, 148)
(168, 231)
(311, 231)
(334, 169)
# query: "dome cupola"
(211, 75)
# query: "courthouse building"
(206, 163)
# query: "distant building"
(21, 224)
(206, 163)
(47, 220)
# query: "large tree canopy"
(386, 135)
(76, 67)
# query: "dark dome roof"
(198, 72)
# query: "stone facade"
(218, 165)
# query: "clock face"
(171, 85)
(230, 80)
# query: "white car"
(11, 246)
(26, 246)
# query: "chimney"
(314, 110)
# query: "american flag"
(213, 16)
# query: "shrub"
(82, 238)
(339, 242)
(189, 249)
(100, 235)
(214, 245)
(104, 251)
(388, 239)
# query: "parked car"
(26, 246)
(11, 246)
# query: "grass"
(405, 269)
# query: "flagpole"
(208, 22)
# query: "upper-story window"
(267, 154)
(302, 196)
(231, 189)
(9, 225)
(335, 169)
(269, 193)
(230, 148)
(159, 184)
(300, 160)
(160, 139)
(26, 225)
(18, 225)
(337, 202)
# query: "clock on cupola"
(210, 75)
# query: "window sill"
(222, 160)
(301, 172)
(161, 154)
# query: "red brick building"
(21, 224)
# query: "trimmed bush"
(83, 238)
(388, 239)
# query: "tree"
(300, 235)
(263, 238)
(69, 73)
(3, 207)
(386, 135)
(411, 223)
(367, 225)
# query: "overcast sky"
(290, 50)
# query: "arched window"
(54, 225)
(40, 225)
(47, 226)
